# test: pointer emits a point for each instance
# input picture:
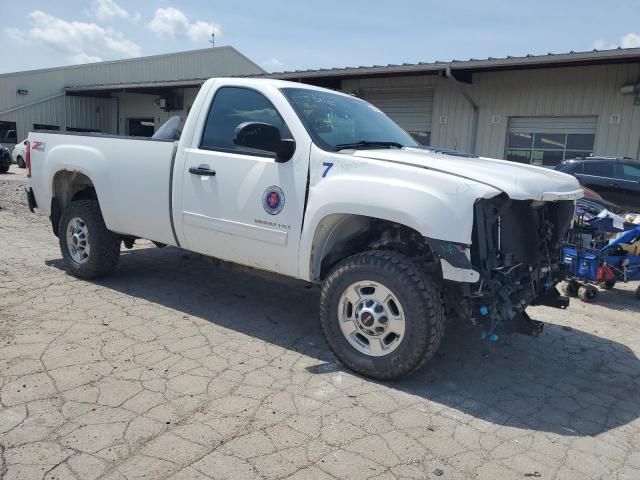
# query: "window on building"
(548, 149)
(8, 132)
(141, 127)
(82, 130)
(42, 126)
(232, 106)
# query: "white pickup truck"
(324, 187)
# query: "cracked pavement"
(176, 368)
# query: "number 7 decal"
(327, 166)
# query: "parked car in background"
(5, 159)
(18, 154)
(616, 179)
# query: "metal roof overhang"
(331, 77)
(463, 69)
(151, 88)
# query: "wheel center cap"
(367, 319)
(74, 239)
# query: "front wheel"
(21, 163)
(88, 248)
(381, 315)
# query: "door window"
(630, 172)
(232, 106)
(598, 169)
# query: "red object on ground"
(605, 273)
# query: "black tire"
(20, 162)
(570, 288)
(421, 302)
(4, 168)
(104, 245)
(587, 293)
(638, 293)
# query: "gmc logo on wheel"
(38, 146)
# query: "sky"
(288, 35)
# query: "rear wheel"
(381, 315)
(21, 163)
(587, 293)
(88, 248)
(4, 168)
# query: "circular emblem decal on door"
(273, 200)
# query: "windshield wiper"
(368, 143)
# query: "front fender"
(436, 205)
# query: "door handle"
(202, 170)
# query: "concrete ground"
(175, 368)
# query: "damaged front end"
(516, 249)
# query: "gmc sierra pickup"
(321, 186)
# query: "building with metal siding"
(58, 98)
(537, 109)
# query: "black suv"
(5, 159)
(617, 180)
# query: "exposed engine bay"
(516, 248)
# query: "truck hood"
(519, 181)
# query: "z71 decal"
(327, 166)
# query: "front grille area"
(517, 250)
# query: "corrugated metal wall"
(98, 113)
(82, 112)
(569, 91)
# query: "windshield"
(338, 121)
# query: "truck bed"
(131, 175)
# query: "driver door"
(239, 204)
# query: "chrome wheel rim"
(78, 240)
(371, 318)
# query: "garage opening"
(141, 127)
(411, 108)
(548, 141)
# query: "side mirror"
(264, 136)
